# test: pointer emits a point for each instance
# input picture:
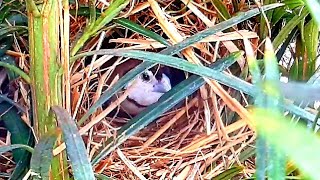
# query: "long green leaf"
(20, 134)
(283, 34)
(141, 30)
(314, 6)
(76, 149)
(221, 9)
(7, 148)
(113, 10)
(4, 31)
(300, 145)
(42, 156)
(311, 37)
(229, 174)
(276, 160)
(15, 69)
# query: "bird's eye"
(145, 77)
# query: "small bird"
(148, 87)
(145, 90)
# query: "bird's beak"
(162, 86)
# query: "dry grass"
(193, 141)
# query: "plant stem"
(44, 77)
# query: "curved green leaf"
(141, 30)
(7, 148)
(76, 149)
(283, 34)
(16, 70)
(4, 31)
(229, 174)
(42, 156)
(20, 134)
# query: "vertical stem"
(44, 71)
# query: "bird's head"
(145, 90)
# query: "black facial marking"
(145, 77)
(175, 75)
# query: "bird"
(145, 90)
(147, 87)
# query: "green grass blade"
(76, 149)
(217, 28)
(42, 156)
(7, 148)
(4, 31)
(254, 69)
(276, 160)
(102, 177)
(265, 19)
(166, 102)
(113, 10)
(300, 145)
(314, 6)
(311, 37)
(221, 9)
(141, 30)
(229, 174)
(283, 34)
(16, 70)
(20, 134)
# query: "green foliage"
(295, 15)
(42, 157)
(20, 134)
(76, 149)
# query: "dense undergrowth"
(236, 119)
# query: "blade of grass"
(276, 160)
(141, 30)
(261, 146)
(20, 134)
(16, 70)
(221, 9)
(303, 146)
(229, 174)
(113, 10)
(283, 34)
(7, 148)
(4, 31)
(311, 37)
(42, 156)
(76, 150)
(314, 6)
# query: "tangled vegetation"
(246, 109)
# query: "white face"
(144, 91)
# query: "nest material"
(196, 141)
